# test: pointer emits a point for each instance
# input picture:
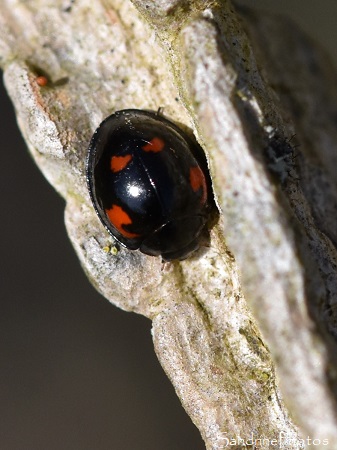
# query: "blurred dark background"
(75, 372)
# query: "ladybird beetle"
(149, 183)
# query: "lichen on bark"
(259, 299)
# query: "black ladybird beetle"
(147, 183)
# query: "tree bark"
(246, 328)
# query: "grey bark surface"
(246, 328)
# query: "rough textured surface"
(243, 98)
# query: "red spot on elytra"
(118, 217)
(155, 145)
(197, 181)
(118, 163)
